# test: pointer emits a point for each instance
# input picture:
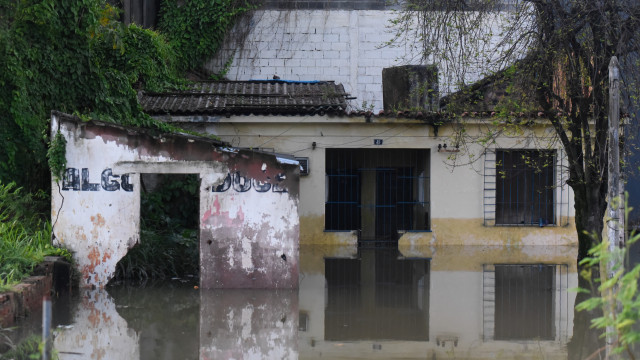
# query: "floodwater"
(413, 303)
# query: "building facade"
(409, 178)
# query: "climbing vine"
(57, 156)
(197, 28)
(77, 57)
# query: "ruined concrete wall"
(249, 226)
(248, 203)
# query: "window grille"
(525, 188)
(377, 191)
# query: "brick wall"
(325, 4)
(345, 46)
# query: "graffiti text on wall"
(73, 180)
(241, 183)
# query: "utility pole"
(615, 219)
(615, 215)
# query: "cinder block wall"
(347, 46)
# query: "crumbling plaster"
(248, 203)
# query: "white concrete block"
(346, 37)
(292, 63)
(275, 62)
(307, 62)
(373, 87)
(367, 79)
(340, 62)
(331, 38)
(320, 63)
(373, 70)
(340, 46)
(316, 38)
(330, 54)
(266, 70)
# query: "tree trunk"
(590, 206)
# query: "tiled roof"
(272, 97)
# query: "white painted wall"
(348, 47)
(247, 238)
(457, 191)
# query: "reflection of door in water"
(378, 296)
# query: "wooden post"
(615, 218)
(615, 203)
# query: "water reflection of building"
(465, 302)
(248, 324)
(444, 302)
(525, 302)
(377, 295)
(97, 331)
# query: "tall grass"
(25, 234)
(169, 245)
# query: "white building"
(407, 177)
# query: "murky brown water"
(415, 303)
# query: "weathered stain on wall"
(456, 188)
(451, 231)
(248, 203)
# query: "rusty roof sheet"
(271, 97)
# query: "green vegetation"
(72, 56)
(27, 349)
(75, 56)
(168, 232)
(25, 238)
(197, 28)
(617, 295)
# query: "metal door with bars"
(378, 192)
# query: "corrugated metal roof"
(273, 97)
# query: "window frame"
(517, 184)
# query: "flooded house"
(419, 235)
(417, 239)
(407, 178)
(423, 233)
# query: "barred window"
(377, 191)
(525, 182)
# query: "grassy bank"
(25, 234)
